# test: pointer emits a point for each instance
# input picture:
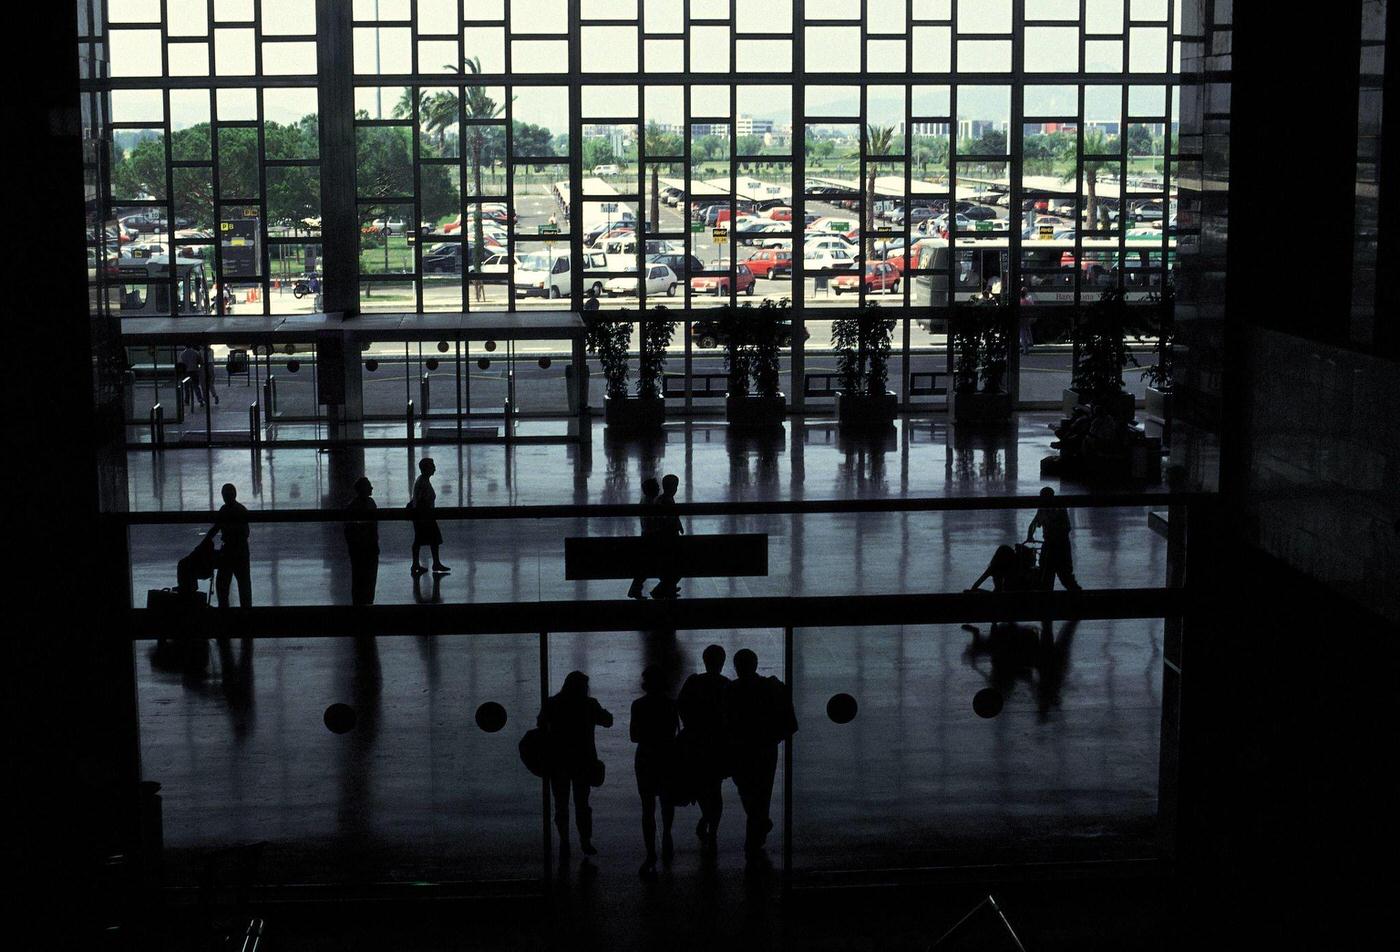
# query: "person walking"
(668, 527)
(568, 719)
(187, 365)
(758, 717)
(1056, 557)
(425, 527)
(653, 727)
(362, 539)
(206, 374)
(232, 560)
(650, 490)
(701, 708)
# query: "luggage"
(170, 599)
(534, 752)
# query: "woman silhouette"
(568, 719)
(655, 723)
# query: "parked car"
(540, 275)
(829, 243)
(608, 169)
(830, 259)
(719, 283)
(679, 262)
(660, 280)
(770, 263)
(779, 213)
(879, 276)
(444, 258)
(750, 230)
(707, 333)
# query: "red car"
(879, 276)
(719, 283)
(770, 262)
(902, 260)
(779, 213)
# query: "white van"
(543, 275)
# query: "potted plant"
(1100, 340)
(647, 409)
(607, 338)
(1159, 373)
(979, 340)
(862, 341)
(752, 339)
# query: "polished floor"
(418, 792)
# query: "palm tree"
(412, 98)
(1095, 143)
(477, 105)
(878, 141)
(656, 142)
(440, 114)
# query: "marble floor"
(418, 792)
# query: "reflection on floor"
(417, 791)
(920, 457)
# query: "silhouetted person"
(425, 527)
(653, 728)
(362, 539)
(650, 490)
(701, 707)
(569, 718)
(758, 717)
(668, 526)
(231, 523)
(1056, 559)
(590, 303)
(1011, 569)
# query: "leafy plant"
(1159, 373)
(966, 342)
(607, 338)
(1100, 337)
(656, 337)
(862, 342)
(734, 331)
(980, 338)
(752, 338)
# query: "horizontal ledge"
(812, 611)
(776, 507)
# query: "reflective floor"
(417, 791)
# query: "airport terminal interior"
(425, 404)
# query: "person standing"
(362, 539)
(425, 527)
(650, 490)
(668, 527)
(758, 716)
(232, 561)
(653, 727)
(568, 719)
(1056, 558)
(701, 707)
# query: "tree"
(439, 113)
(750, 145)
(659, 143)
(477, 104)
(1095, 143)
(597, 151)
(412, 99)
(878, 141)
(531, 139)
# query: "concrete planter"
(866, 412)
(634, 413)
(979, 408)
(755, 413)
(1158, 422)
(1121, 405)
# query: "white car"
(660, 280)
(388, 226)
(830, 259)
(495, 264)
(828, 243)
(543, 275)
(606, 170)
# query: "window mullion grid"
(575, 96)
(798, 141)
(907, 204)
(864, 208)
(733, 164)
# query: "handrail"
(797, 611)
(773, 507)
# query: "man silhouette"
(668, 526)
(650, 490)
(1056, 559)
(758, 716)
(231, 523)
(701, 704)
(362, 539)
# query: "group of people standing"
(716, 728)
(662, 523)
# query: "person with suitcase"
(231, 524)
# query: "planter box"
(1158, 422)
(980, 408)
(1122, 405)
(751, 412)
(862, 411)
(634, 413)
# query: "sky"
(830, 47)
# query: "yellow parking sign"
(720, 235)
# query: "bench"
(924, 383)
(714, 385)
(827, 387)
(688, 556)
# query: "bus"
(1047, 268)
(141, 287)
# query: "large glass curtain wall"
(521, 154)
